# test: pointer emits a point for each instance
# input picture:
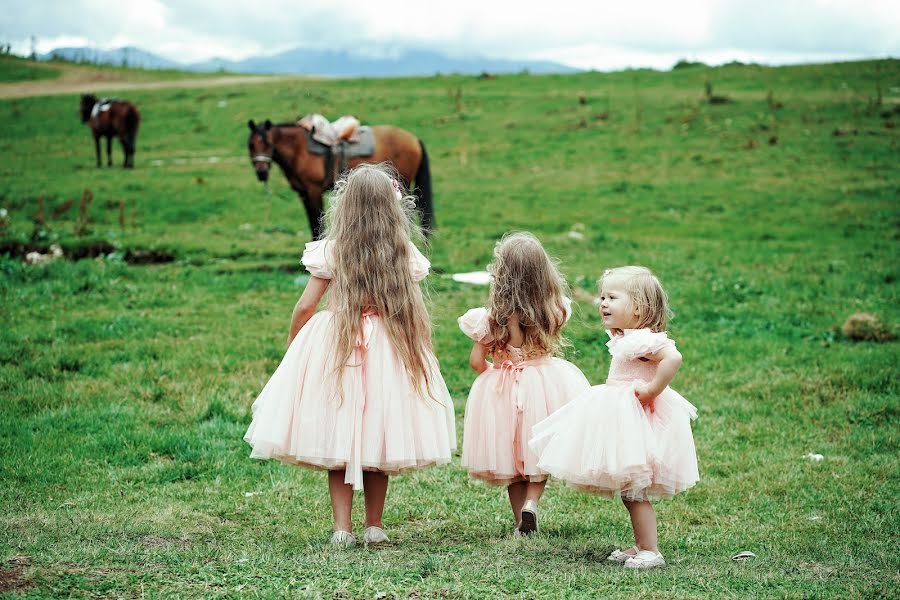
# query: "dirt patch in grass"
(79, 80)
(263, 268)
(12, 574)
(92, 249)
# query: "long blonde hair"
(370, 229)
(646, 292)
(527, 283)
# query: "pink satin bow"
(510, 373)
(365, 332)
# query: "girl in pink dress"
(630, 437)
(359, 391)
(521, 330)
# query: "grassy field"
(126, 388)
(14, 69)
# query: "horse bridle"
(262, 157)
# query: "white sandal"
(344, 539)
(619, 556)
(375, 535)
(645, 559)
(529, 523)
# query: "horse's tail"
(129, 139)
(132, 121)
(424, 193)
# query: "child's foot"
(529, 522)
(375, 535)
(645, 559)
(345, 539)
(621, 556)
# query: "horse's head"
(261, 148)
(87, 105)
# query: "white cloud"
(598, 34)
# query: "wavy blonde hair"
(646, 292)
(527, 283)
(370, 230)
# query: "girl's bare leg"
(643, 521)
(517, 494)
(375, 486)
(535, 490)
(341, 501)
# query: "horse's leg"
(312, 201)
(132, 143)
(97, 147)
(132, 120)
(109, 151)
(126, 150)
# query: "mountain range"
(339, 63)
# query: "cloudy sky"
(587, 34)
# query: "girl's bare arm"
(477, 358)
(306, 305)
(669, 361)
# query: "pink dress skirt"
(505, 402)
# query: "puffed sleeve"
(418, 264)
(475, 324)
(317, 259)
(638, 343)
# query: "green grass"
(14, 69)
(126, 389)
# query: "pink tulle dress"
(506, 400)
(605, 442)
(380, 423)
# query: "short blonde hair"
(650, 300)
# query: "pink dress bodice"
(623, 370)
(628, 355)
(515, 355)
(475, 324)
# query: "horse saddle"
(364, 147)
(338, 155)
(102, 105)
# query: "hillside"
(364, 62)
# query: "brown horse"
(286, 145)
(109, 119)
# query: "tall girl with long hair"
(359, 391)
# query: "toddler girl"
(520, 329)
(630, 437)
(359, 391)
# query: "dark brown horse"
(109, 119)
(286, 146)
